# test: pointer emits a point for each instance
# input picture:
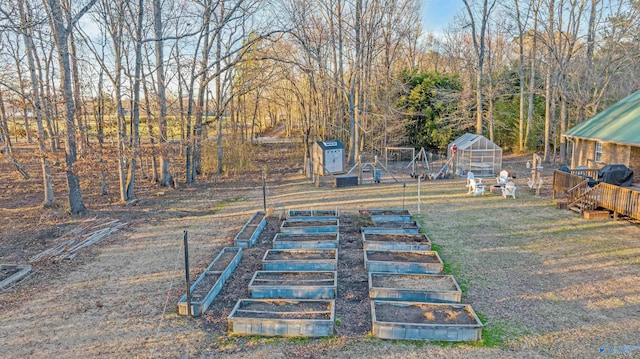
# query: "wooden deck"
(621, 201)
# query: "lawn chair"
(476, 187)
(509, 189)
(503, 178)
(470, 177)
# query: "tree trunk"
(35, 99)
(532, 76)
(521, 141)
(61, 33)
(165, 170)
(131, 176)
(547, 114)
(219, 95)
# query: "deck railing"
(586, 172)
(563, 182)
(620, 200)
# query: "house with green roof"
(609, 137)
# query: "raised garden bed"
(314, 213)
(424, 321)
(396, 241)
(309, 226)
(293, 285)
(411, 262)
(388, 215)
(205, 289)
(400, 224)
(305, 241)
(414, 287)
(11, 273)
(250, 232)
(386, 227)
(300, 260)
(283, 317)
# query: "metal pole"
(418, 194)
(404, 186)
(264, 191)
(186, 273)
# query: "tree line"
(85, 76)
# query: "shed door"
(333, 161)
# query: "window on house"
(598, 157)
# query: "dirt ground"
(546, 282)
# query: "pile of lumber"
(85, 234)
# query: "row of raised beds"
(207, 286)
(410, 297)
(294, 294)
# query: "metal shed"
(477, 154)
(328, 157)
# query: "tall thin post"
(264, 191)
(186, 272)
(404, 188)
(418, 194)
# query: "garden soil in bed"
(285, 306)
(384, 224)
(223, 262)
(204, 286)
(248, 232)
(256, 220)
(403, 238)
(384, 212)
(413, 282)
(8, 271)
(423, 314)
(307, 238)
(292, 278)
(308, 223)
(309, 254)
(402, 256)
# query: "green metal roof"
(619, 123)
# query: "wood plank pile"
(87, 233)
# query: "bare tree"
(478, 35)
(25, 30)
(61, 30)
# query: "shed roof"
(619, 123)
(330, 145)
(468, 140)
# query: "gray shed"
(328, 157)
(477, 154)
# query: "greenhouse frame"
(475, 153)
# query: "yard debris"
(85, 234)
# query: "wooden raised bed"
(424, 321)
(413, 229)
(205, 289)
(315, 213)
(293, 285)
(300, 260)
(396, 241)
(388, 215)
(414, 287)
(310, 226)
(250, 232)
(305, 241)
(410, 262)
(283, 317)
(11, 273)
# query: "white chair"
(476, 187)
(509, 189)
(503, 178)
(470, 177)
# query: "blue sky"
(436, 14)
